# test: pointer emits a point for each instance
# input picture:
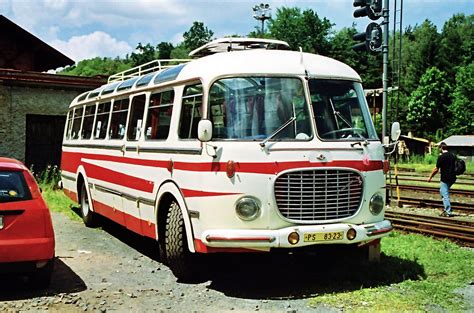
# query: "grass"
(58, 202)
(427, 168)
(445, 268)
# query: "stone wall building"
(33, 104)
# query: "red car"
(26, 231)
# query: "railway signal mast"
(374, 40)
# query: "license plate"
(1, 222)
(312, 237)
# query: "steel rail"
(451, 228)
(456, 206)
(468, 193)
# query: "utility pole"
(262, 13)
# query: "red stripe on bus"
(131, 222)
(189, 193)
(71, 195)
(113, 177)
(71, 160)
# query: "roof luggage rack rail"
(149, 67)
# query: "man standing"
(445, 163)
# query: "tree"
(97, 66)
(428, 105)
(180, 52)
(144, 54)
(301, 29)
(420, 52)
(164, 50)
(456, 44)
(197, 36)
(462, 108)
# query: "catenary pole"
(385, 68)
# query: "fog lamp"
(351, 233)
(293, 238)
(376, 204)
(247, 208)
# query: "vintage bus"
(239, 151)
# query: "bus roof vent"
(237, 44)
(150, 67)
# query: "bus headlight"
(376, 204)
(247, 208)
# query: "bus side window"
(191, 111)
(88, 122)
(102, 120)
(119, 118)
(76, 123)
(69, 124)
(159, 115)
(135, 123)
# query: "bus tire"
(178, 257)
(89, 218)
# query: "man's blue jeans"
(444, 191)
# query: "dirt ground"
(111, 269)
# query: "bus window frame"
(108, 120)
(171, 104)
(86, 105)
(82, 106)
(181, 106)
(126, 119)
(129, 116)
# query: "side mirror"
(395, 131)
(205, 130)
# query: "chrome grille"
(318, 195)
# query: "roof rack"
(229, 44)
(149, 67)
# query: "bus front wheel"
(178, 257)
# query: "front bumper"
(263, 239)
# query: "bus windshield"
(340, 110)
(253, 108)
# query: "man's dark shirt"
(445, 163)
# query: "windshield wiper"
(342, 118)
(277, 131)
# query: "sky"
(83, 29)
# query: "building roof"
(459, 141)
(410, 137)
(15, 77)
(22, 50)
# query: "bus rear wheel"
(89, 217)
(177, 255)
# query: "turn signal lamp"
(230, 168)
(351, 233)
(293, 238)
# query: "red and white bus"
(239, 151)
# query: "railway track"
(461, 231)
(465, 193)
(438, 204)
(459, 182)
